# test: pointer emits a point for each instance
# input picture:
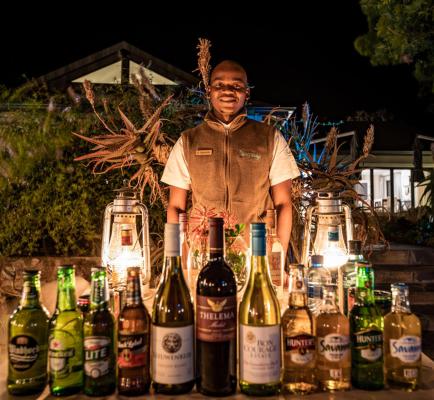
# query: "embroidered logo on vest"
(249, 154)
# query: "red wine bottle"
(216, 320)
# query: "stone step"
(403, 255)
(404, 273)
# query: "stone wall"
(11, 281)
(11, 277)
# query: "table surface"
(425, 392)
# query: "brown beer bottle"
(133, 341)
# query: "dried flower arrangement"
(328, 171)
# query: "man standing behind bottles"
(232, 163)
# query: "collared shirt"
(283, 165)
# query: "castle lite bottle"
(333, 354)
(65, 342)
(402, 342)
(216, 315)
(260, 330)
(172, 347)
(134, 329)
(28, 335)
(298, 340)
(366, 327)
(99, 339)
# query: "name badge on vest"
(204, 152)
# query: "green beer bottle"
(28, 335)
(65, 342)
(366, 330)
(99, 337)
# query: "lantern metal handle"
(348, 223)
(145, 239)
(106, 235)
(307, 229)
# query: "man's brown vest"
(229, 167)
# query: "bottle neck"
(355, 258)
(134, 292)
(329, 305)
(66, 291)
(365, 285)
(400, 303)
(172, 267)
(216, 242)
(183, 227)
(30, 296)
(297, 290)
(100, 296)
(271, 231)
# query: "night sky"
(301, 52)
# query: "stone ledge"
(11, 277)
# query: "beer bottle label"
(369, 344)
(61, 350)
(216, 318)
(23, 352)
(314, 291)
(260, 354)
(172, 354)
(275, 260)
(411, 373)
(406, 348)
(96, 356)
(300, 349)
(334, 347)
(132, 350)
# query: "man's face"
(228, 91)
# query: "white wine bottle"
(172, 324)
(260, 330)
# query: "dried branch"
(203, 61)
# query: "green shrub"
(50, 204)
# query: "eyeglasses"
(220, 87)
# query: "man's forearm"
(177, 204)
(284, 224)
(173, 214)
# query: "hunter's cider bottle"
(28, 335)
(99, 339)
(260, 330)
(298, 339)
(402, 342)
(65, 341)
(366, 327)
(333, 353)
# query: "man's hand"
(177, 203)
(281, 195)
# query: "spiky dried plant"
(328, 171)
(129, 145)
(203, 61)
